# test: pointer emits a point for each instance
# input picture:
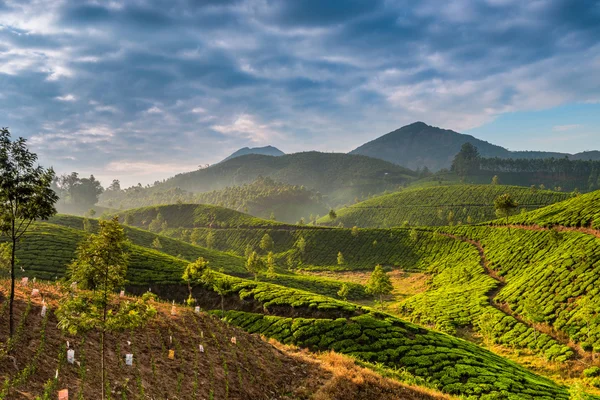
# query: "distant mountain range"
(418, 145)
(265, 151)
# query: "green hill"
(579, 211)
(339, 177)
(191, 216)
(263, 198)
(265, 151)
(439, 205)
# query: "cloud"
(245, 126)
(187, 83)
(566, 128)
(68, 97)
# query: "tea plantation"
(434, 206)
(453, 365)
(550, 273)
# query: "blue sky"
(140, 90)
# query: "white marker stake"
(35, 293)
(129, 359)
(122, 294)
(24, 281)
(201, 348)
(56, 375)
(68, 344)
(44, 309)
(197, 310)
(71, 356)
(234, 340)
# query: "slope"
(439, 205)
(247, 369)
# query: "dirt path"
(505, 308)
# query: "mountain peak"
(265, 150)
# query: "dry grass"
(344, 380)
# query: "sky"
(141, 90)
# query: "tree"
(343, 292)
(25, 195)
(495, 180)
(467, 161)
(414, 235)
(533, 311)
(222, 285)
(505, 206)
(301, 245)
(266, 243)
(340, 258)
(271, 265)
(129, 219)
(157, 223)
(354, 231)
(379, 284)
(195, 236)
(254, 264)
(100, 267)
(332, 214)
(115, 186)
(156, 244)
(193, 273)
(210, 239)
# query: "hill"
(263, 198)
(339, 177)
(248, 369)
(439, 205)
(265, 151)
(419, 145)
(579, 211)
(159, 218)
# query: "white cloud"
(154, 110)
(68, 97)
(565, 128)
(246, 126)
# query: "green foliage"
(266, 243)
(340, 259)
(254, 264)
(432, 206)
(505, 206)
(453, 365)
(343, 292)
(580, 211)
(5, 254)
(379, 284)
(156, 244)
(466, 160)
(591, 372)
(101, 262)
(193, 274)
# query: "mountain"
(265, 151)
(339, 177)
(420, 145)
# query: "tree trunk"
(12, 282)
(102, 363)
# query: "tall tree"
(100, 267)
(220, 284)
(379, 284)
(505, 206)
(25, 195)
(332, 214)
(467, 160)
